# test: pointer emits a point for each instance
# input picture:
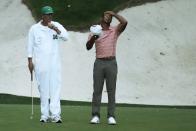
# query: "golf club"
(32, 112)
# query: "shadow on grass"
(13, 99)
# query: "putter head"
(31, 117)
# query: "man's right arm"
(123, 22)
(91, 42)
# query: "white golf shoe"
(56, 120)
(111, 121)
(43, 120)
(95, 120)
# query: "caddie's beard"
(48, 20)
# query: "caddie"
(44, 60)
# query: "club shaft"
(32, 112)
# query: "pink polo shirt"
(106, 43)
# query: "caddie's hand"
(109, 12)
(31, 67)
(51, 26)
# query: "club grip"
(31, 76)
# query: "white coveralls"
(43, 48)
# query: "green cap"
(47, 10)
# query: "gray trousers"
(104, 70)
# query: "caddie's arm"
(60, 30)
(53, 27)
(91, 42)
(30, 50)
(123, 22)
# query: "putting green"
(15, 117)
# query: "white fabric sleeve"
(64, 34)
(30, 43)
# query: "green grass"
(82, 13)
(15, 112)
(76, 118)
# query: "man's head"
(106, 20)
(47, 12)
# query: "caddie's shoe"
(42, 120)
(111, 121)
(95, 120)
(56, 120)
(59, 121)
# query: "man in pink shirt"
(105, 66)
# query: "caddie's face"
(47, 18)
